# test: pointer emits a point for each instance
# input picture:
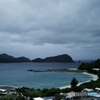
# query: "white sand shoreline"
(94, 78)
(3, 86)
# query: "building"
(3, 92)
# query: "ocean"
(17, 74)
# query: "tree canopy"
(74, 82)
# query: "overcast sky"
(41, 28)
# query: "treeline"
(31, 92)
(91, 67)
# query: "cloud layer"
(37, 28)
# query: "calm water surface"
(16, 74)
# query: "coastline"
(94, 78)
(8, 86)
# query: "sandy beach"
(94, 78)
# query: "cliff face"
(59, 58)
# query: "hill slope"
(59, 58)
(4, 58)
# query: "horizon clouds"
(44, 28)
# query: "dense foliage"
(74, 82)
(38, 92)
(90, 66)
(54, 91)
(87, 66)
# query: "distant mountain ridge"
(59, 58)
(5, 58)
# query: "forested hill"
(92, 67)
(5, 58)
(93, 64)
(59, 58)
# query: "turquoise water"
(16, 74)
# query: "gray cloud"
(36, 26)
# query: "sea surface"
(17, 74)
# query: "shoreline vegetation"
(57, 70)
(25, 92)
(92, 69)
(94, 78)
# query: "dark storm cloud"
(36, 23)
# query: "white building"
(38, 98)
(3, 91)
(87, 90)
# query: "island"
(58, 58)
(64, 58)
(5, 58)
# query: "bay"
(17, 74)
